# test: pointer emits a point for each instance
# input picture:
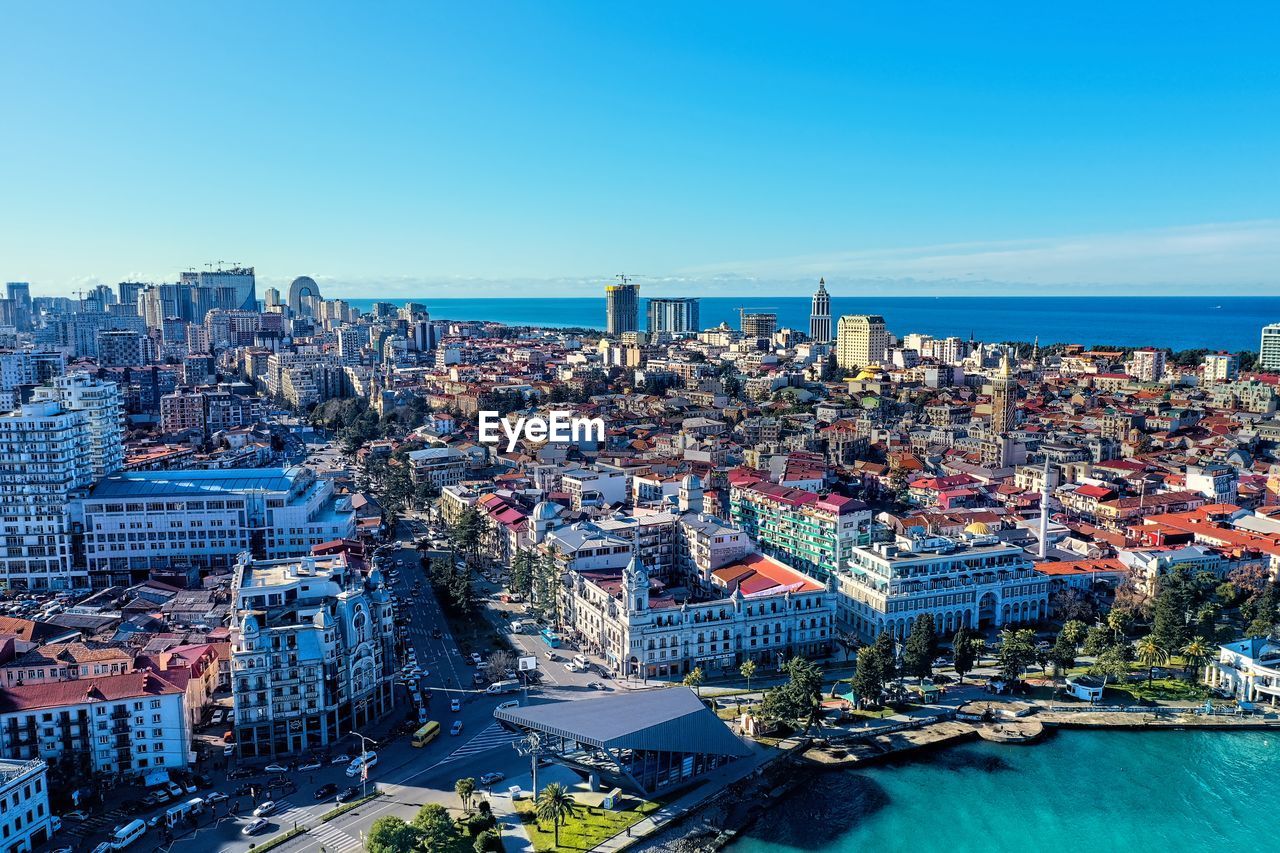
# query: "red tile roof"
(106, 688)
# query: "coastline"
(724, 817)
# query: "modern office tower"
(271, 297)
(313, 656)
(99, 400)
(44, 461)
(1221, 367)
(19, 292)
(1004, 399)
(1148, 364)
(622, 308)
(123, 348)
(820, 315)
(759, 325)
(674, 316)
(128, 291)
(302, 290)
(1269, 352)
(861, 340)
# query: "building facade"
(861, 341)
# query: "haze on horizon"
(413, 150)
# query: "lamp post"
(364, 765)
(531, 745)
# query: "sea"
(1231, 323)
(1167, 791)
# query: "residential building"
(312, 656)
(758, 325)
(861, 341)
(440, 466)
(673, 316)
(594, 488)
(1269, 350)
(812, 532)
(622, 308)
(126, 725)
(1148, 364)
(1221, 367)
(25, 818)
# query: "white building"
(1269, 352)
(1247, 669)
(974, 581)
(861, 340)
(126, 724)
(139, 520)
(1221, 367)
(441, 466)
(1148, 365)
(45, 460)
(312, 656)
(594, 488)
(24, 805)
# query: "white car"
(455, 705)
(310, 765)
(276, 768)
(341, 758)
(265, 809)
(253, 827)
(456, 728)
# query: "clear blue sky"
(469, 148)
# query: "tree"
(1017, 652)
(390, 834)
(1110, 665)
(747, 671)
(1075, 632)
(555, 804)
(1151, 654)
(799, 698)
(868, 678)
(847, 642)
(1063, 653)
(1097, 640)
(1119, 620)
(695, 678)
(522, 573)
(500, 663)
(465, 789)
(964, 651)
(1196, 653)
(1259, 627)
(887, 647)
(434, 825)
(489, 841)
(921, 648)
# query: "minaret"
(1044, 511)
(820, 315)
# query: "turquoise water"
(1086, 791)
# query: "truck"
(498, 688)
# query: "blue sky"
(473, 149)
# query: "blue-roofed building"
(137, 521)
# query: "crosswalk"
(96, 823)
(330, 838)
(491, 738)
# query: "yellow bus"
(426, 734)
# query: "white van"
(369, 759)
(500, 687)
(193, 806)
(127, 834)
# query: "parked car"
(228, 750)
(216, 797)
(349, 793)
(174, 789)
(276, 768)
(492, 778)
(325, 791)
(310, 765)
(476, 660)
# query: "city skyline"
(912, 154)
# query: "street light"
(364, 764)
(531, 745)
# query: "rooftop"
(190, 484)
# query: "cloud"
(1239, 253)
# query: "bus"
(551, 638)
(426, 734)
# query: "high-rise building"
(19, 293)
(622, 308)
(1148, 365)
(123, 348)
(313, 656)
(1221, 367)
(820, 315)
(1004, 399)
(234, 288)
(1269, 352)
(861, 340)
(674, 316)
(759, 325)
(99, 400)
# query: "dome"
(690, 482)
(978, 528)
(546, 511)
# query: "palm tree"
(465, 789)
(694, 679)
(1151, 654)
(1196, 653)
(747, 670)
(555, 804)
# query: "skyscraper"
(759, 325)
(820, 315)
(1269, 353)
(861, 340)
(675, 316)
(19, 293)
(622, 307)
(1004, 398)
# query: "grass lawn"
(1162, 689)
(589, 828)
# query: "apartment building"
(25, 818)
(813, 533)
(312, 656)
(440, 466)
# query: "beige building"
(861, 340)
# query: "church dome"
(546, 511)
(978, 528)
